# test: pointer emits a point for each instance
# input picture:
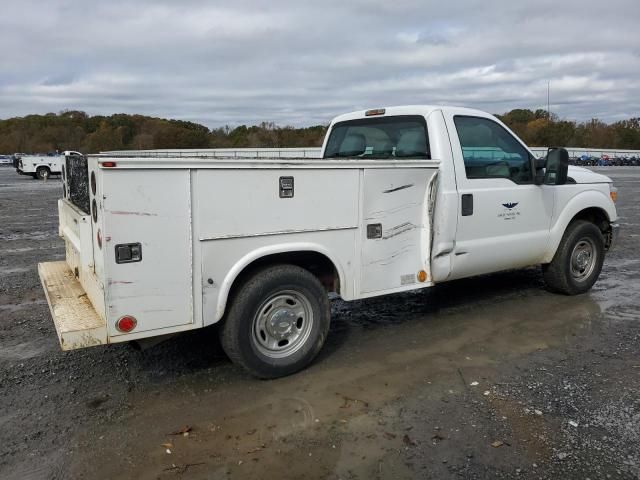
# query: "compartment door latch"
(286, 187)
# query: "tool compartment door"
(151, 207)
(395, 233)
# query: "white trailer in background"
(402, 198)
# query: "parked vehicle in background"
(40, 166)
(585, 161)
(16, 158)
(6, 160)
(402, 198)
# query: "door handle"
(466, 208)
(374, 230)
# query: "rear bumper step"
(77, 323)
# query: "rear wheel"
(277, 321)
(578, 261)
(43, 172)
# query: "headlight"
(613, 192)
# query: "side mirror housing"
(556, 167)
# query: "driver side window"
(490, 151)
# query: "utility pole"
(548, 105)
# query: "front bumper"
(612, 236)
(77, 323)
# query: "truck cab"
(398, 199)
(491, 211)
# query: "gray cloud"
(301, 63)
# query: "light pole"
(548, 105)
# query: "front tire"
(277, 322)
(578, 261)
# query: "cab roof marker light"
(375, 111)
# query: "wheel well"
(318, 264)
(595, 215)
(600, 219)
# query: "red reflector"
(375, 111)
(108, 164)
(126, 324)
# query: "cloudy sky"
(300, 63)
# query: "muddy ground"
(491, 377)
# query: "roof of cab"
(410, 110)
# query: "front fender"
(265, 251)
(593, 198)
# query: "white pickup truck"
(402, 198)
(42, 166)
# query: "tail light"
(126, 324)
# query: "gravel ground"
(492, 377)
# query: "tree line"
(75, 130)
(538, 129)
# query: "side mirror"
(557, 167)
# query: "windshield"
(403, 136)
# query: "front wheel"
(578, 261)
(277, 322)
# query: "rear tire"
(277, 321)
(43, 172)
(578, 261)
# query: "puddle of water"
(29, 249)
(37, 235)
(309, 415)
(40, 468)
(21, 306)
(21, 351)
(8, 271)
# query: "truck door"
(503, 217)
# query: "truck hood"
(583, 175)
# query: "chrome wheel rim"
(282, 324)
(583, 259)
